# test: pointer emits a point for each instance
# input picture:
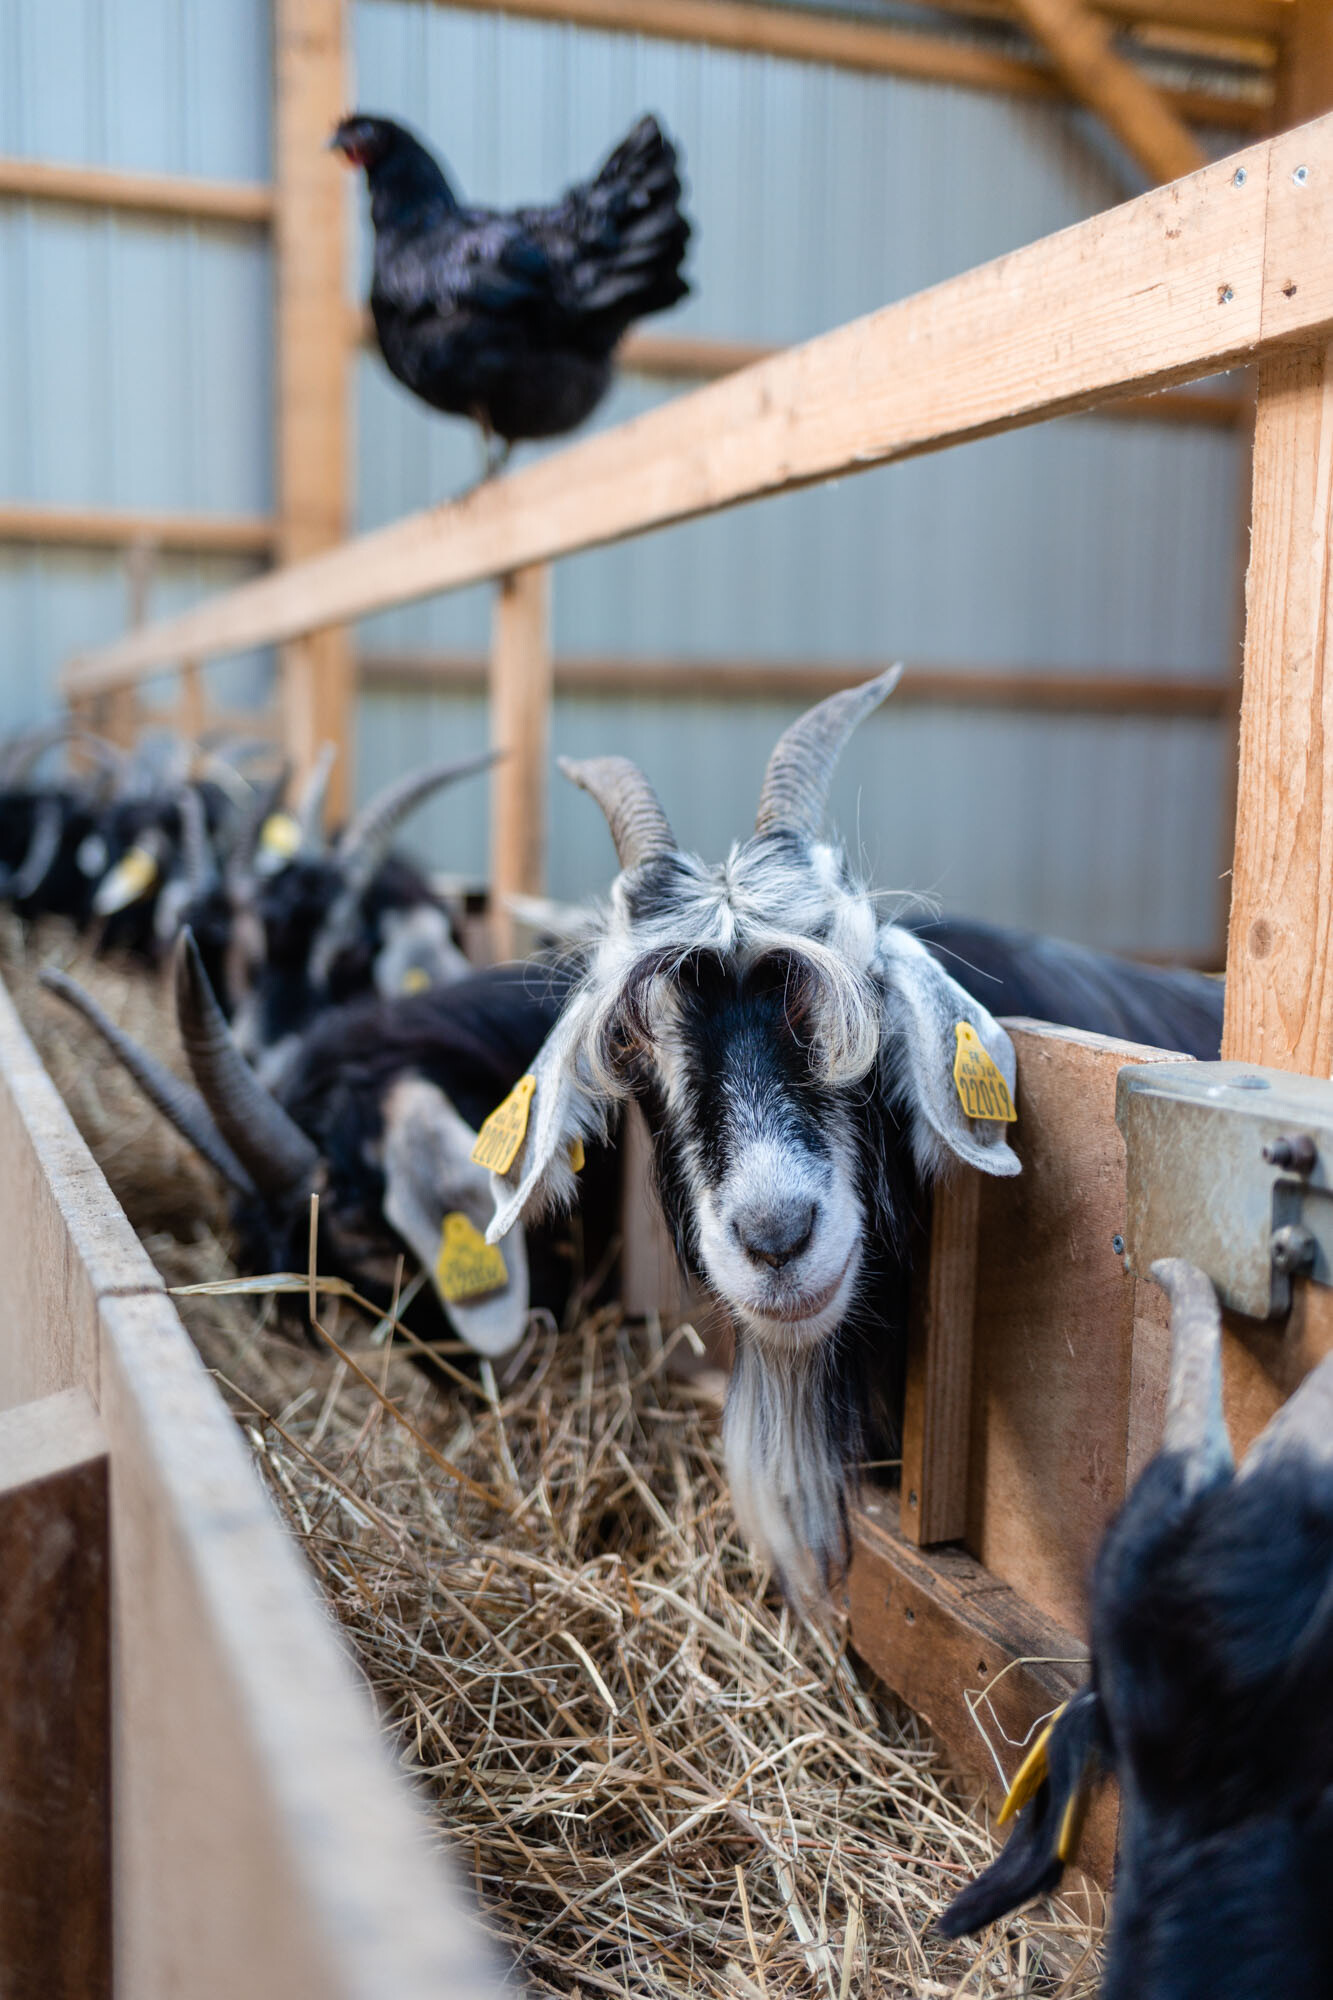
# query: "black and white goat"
(1211, 1699)
(377, 1114)
(796, 1061)
(321, 924)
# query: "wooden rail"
(139, 194)
(112, 528)
(1057, 691)
(1182, 282)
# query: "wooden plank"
(113, 528)
(1279, 975)
(520, 690)
(1241, 20)
(1305, 72)
(975, 1661)
(139, 194)
(1053, 1335)
(55, 1703)
(1097, 692)
(937, 1406)
(970, 358)
(313, 391)
(73, 1243)
(1079, 42)
(809, 35)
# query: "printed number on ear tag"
(1031, 1774)
(467, 1267)
(982, 1090)
(505, 1130)
(280, 835)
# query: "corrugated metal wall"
(138, 375)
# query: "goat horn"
(272, 1148)
(310, 806)
(365, 841)
(182, 1107)
(1195, 1426)
(800, 771)
(249, 825)
(1302, 1428)
(639, 827)
(196, 852)
(43, 847)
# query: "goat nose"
(773, 1233)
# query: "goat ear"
(1051, 1795)
(439, 1203)
(561, 1113)
(923, 1010)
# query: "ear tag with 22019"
(503, 1133)
(982, 1090)
(466, 1265)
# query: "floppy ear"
(1051, 1793)
(439, 1203)
(562, 1111)
(923, 1011)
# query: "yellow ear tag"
(982, 1090)
(280, 835)
(1071, 1826)
(576, 1155)
(1031, 1774)
(467, 1266)
(505, 1130)
(132, 877)
(416, 979)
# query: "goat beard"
(792, 1440)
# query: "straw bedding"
(657, 1783)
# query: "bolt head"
(1239, 178)
(1301, 176)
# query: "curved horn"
(182, 1107)
(248, 825)
(639, 827)
(365, 841)
(800, 771)
(197, 864)
(1195, 1426)
(310, 805)
(1302, 1429)
(43, 847)
(272, 1148)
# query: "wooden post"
(1305, 74)
(55, 1713)
(313, 361)
(937, 1405)
(521, 726)
(1279, 977)
(192, 714)
(1079, 42)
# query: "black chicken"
(513, 319)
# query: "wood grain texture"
(55, 1703)
(142, 194)
(1166, 287)
(1053, 1338)
(941, 1632)
(313, 362)
(1280, 948)
(1078, 39)
(937, 1405)
(520, 701)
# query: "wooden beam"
(870, 47)
(55, 1702)
(1185, 285)
(520, 689)
(1079, 43)
(1242, 20)
(937, 1404)
(1096, 691)
(139, 194)
(1305, 73)
(23, 521)
(1280, 948)
(313, 363)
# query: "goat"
(44, 827)
(1210, 1697)
(377, 1115)
(322, 925)
(802, 1067)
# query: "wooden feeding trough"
(1037, 1365)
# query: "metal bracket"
(1232, 1167)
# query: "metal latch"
(1232, 1167)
